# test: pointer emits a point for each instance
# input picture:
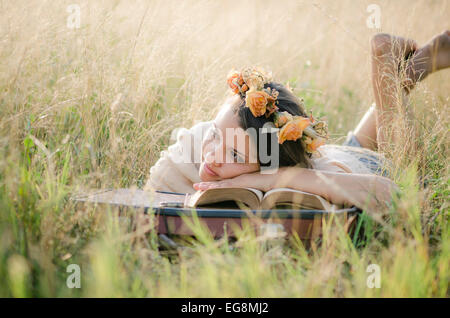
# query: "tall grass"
(93, 107)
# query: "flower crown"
(249, 83)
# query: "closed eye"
(237, 157)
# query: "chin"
(205, 177)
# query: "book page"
(251, 197)
(259, 193)
(296, 197)
(283, 190)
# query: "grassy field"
(92, 107)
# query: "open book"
(258, 200)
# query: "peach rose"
(232, 81)
(316, 143)
(293, 129)
(240, 79)
(281, 118)
(257, 102)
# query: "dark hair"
(291, 153)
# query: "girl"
(349, 175)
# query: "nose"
(211, 159)
(212, 155)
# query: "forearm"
(347, 189)
(369, 192)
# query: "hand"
(257, 180)
(382, 192)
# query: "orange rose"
(257, 102)
(232, 81)
(316, 143)
(293, 129)
(240, 80)
(281, 118)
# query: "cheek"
(205, 147)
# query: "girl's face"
(227, 150)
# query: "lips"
(209, 171)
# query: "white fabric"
(178, 167)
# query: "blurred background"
(90, 100)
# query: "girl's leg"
(387, 54)
(434, 56)
(366, 130)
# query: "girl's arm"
(365, 191)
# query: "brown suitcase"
(172, 218)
